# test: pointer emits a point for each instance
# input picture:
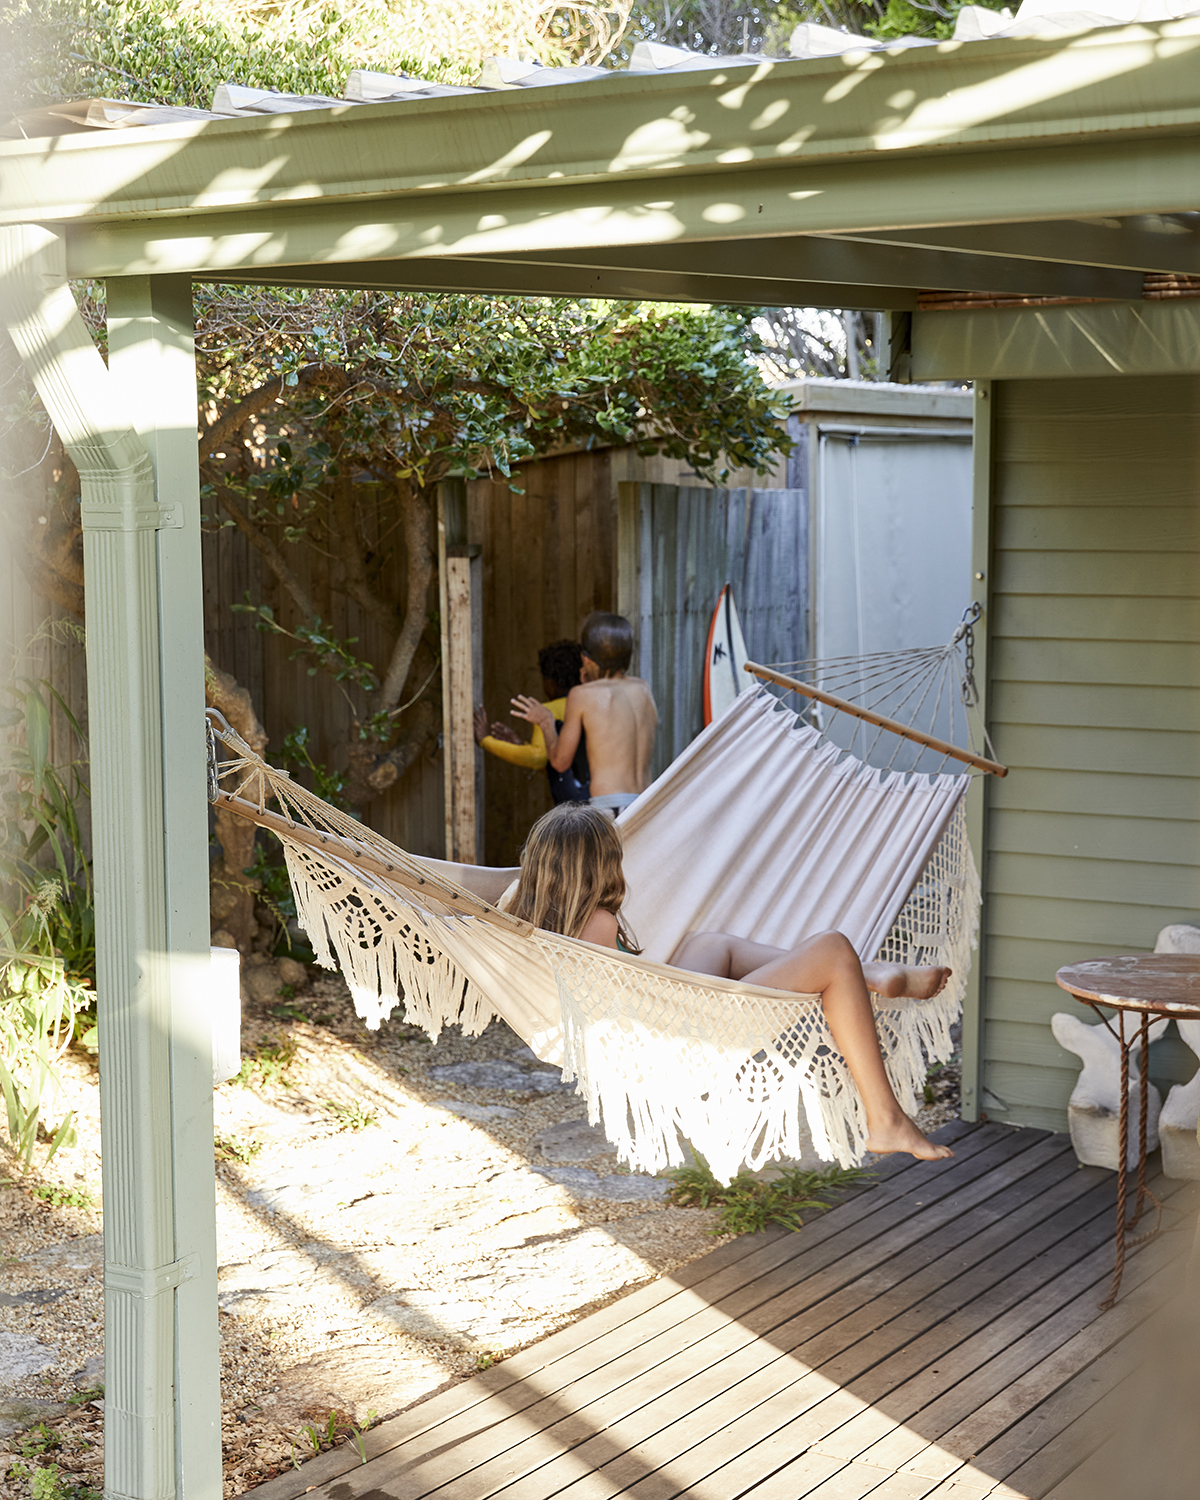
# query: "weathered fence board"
(690, 542)
(549, 558)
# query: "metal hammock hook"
(211, 716)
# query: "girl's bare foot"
(897, 982)
(901, 1134)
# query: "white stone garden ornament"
(1180, 1116)
(1093, 1113)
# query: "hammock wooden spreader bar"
(454, 896)
(918, 737)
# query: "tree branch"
(420, 734)
(230, 422)
(417, 509)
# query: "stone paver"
(23, 1354)
(20, 1412)
(501, 1073)
(571, 1140)
(617, 1187)
(480, 1112)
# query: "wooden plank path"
(938, 1335)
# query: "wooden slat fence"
(549, 556)
(549, 559)
(284, 693)
(679, 546)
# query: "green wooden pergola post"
(980, 788)
(152, 362)
(140, 514)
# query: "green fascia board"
(1133, 338)
(1101, 123)
(787, 199)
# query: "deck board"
(935, 1337)
(636, 1416)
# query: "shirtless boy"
(614, 710)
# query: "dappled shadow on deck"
(939, 1335)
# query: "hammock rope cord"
(661, 1055)
(886, 683)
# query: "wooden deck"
(936, 1336)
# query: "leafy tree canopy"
(324, 405)
(440, 385)
(178, 51)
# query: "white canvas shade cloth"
(761, 828)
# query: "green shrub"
(748, 1205)
(269, 1066)
(62, 1197)
(47, 920)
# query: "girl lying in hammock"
(571, 882)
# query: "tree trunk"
(231, 890)
(410, 668)
(418, 511)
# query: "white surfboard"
(725, 657)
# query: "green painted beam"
(1102, 124)
(1150, 242)
(1147, 338)
(1117, 176)
(939, 102)
(515, 278)
(798, 258)
(793, 271)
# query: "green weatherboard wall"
(1094, 701)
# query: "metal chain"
(211, 717)
(966, 634)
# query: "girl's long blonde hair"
(570, 869)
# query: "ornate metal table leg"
(1122, 1161)
(1139, 1203)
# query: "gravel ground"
(363, 1270)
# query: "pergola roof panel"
(947, 155)
(951, 97)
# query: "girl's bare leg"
(828, 965)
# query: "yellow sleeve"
(532, 756)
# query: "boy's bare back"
(619, 718)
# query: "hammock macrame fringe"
(746, 1069)
(661, 1056)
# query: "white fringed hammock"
(762, 827)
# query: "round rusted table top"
(1166, 983)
